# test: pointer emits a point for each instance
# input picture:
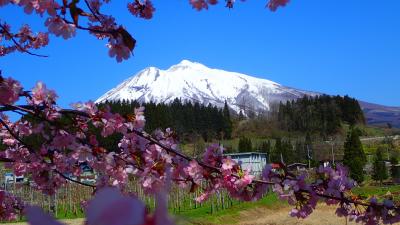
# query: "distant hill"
(381, 115)
(195, 82)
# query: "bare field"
(66, 222)
(323, 215)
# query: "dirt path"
(323, 215)
(67, 222)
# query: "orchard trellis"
(67, 201)
(49, 142)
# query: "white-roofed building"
(253, 161)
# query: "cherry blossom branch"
(93, 12)
(155, 157)
(170, 150)
(13, 134)
(5, 31)
(153, 141)
(31, 150)
(27, 109)
(111, 32)
(75, 181)
(2, 159)
(121, 43)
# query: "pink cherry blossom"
(118, 49)
(194, 171)
(24, 32)
(245, 179)
(4, 2)
(20, 168)
(203, 197)
(161, 216)
(227, 164)
(36, 216)
(113, 123)
(274, 4)
(9, 90)
(59, 27)
(199, 4)
(109, 206)
(82, 154)
(213, 154)
(10, 206)
(41, 40)
(63, 140)
(42, 95)
(142, 8)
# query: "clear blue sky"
(336, 47)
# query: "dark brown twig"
(18, 45)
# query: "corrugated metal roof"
(245, 153)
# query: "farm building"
(253, 161)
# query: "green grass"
(371, 131)
(230, 215)
(69, 214)
(378, 191)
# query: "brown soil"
(323, 215)
(66, 222)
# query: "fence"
(66, 203)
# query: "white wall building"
(253, 161)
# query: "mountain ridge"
(193, 81)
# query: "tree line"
(322, 114)
(187, 119)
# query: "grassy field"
(274, 206)
(231, 215)
(379, 191)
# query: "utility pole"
(387, 147)
(387, 152)
(333, 154)
(309, 157)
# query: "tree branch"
(73, 180)
(173, 151)
(18, 45)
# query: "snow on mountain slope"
(191, 81)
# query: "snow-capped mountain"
(192, 81)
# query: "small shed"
(10, 178)
(396, 169)
(253, 161)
